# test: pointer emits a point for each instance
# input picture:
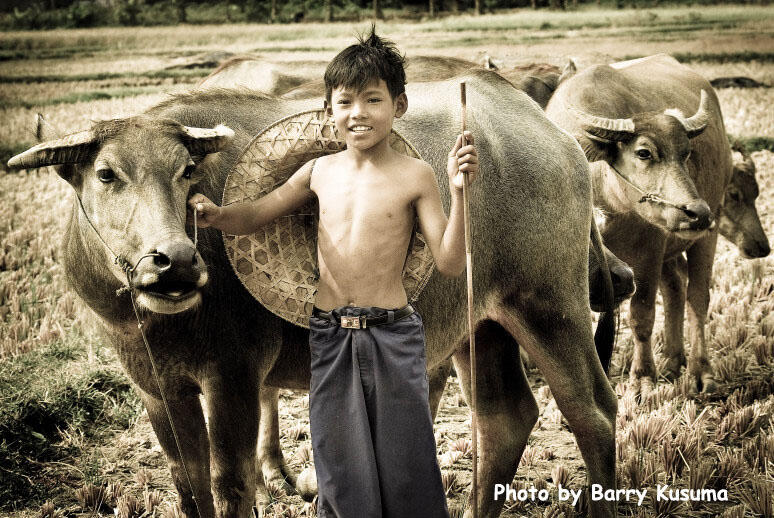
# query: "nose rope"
(650, 197)
(129, 269)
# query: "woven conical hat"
(278, 264)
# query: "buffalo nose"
(759, 249)
(623, 280)
(699, 214)
(173, 256)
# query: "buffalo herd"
(640, 143)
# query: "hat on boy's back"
(278, 264)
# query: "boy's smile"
(365, 117)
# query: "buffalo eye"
(644, 154)
(106, 175)
(189, 171)
(734, 196)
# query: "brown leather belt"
(364, 321)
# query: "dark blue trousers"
(372, 434)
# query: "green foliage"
(11, 149)
(79, 97)
(256, 11)
(128, 12)
(725, 57)
(46, 394)
(101, 76)
(159, 13)
(751, 144)
(87, 14)
(77, 15)
(714, 57)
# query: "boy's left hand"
(462, 159)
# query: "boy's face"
(365, 117)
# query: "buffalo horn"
(696, 123)
(203, 141)
(69, 149)
(604, 129)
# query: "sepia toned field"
(72, 432)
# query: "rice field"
(85, 466)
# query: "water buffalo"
(260, 75)
(538, 80)
(659, 175)
(531, 221)
(738, 220)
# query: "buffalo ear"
(596, 149)
(70, 149)
(569, 70)
(203, 141)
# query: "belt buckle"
(350, 322)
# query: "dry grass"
(669, 436)
(747, 112)
(35, 306)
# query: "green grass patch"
(79, 97)
(103, 76)
(725, 57)
(48, 391)
(294, 49)
(8, 150)
(9, 54)
(715, 57)
(752, 144)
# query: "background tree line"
(47, 14)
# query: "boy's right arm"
(248, 216)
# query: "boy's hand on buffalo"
(207, 212)
(462, 159)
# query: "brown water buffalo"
(739, 221)
(531, 221)
(653, 130)
(260, 75)
(538, 80)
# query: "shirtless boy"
(372, 433)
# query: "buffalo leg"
(189, 424)
(560, 343)
(505, 407)
(700, 257)
(642, 314)
(270, 463)
(673, 292)
(232, 407)
(437, 380)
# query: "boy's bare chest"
(364, 205)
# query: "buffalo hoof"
(708, 384)
(673, 368)
(704, 378)
(642, 386)
(262, 500)
(306, 484)
(642, 368)
(279, 475)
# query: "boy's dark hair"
(369, 60)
